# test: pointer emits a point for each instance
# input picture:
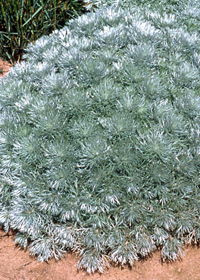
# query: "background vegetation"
(24, 21)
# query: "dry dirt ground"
(16, 264)
(4, 67)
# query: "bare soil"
(17, 264)
(4, 67)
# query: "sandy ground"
(4, 67)
(16, 264)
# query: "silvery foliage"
(99, 138)
(185, 6)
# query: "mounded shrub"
(188, 7)
(100, 138)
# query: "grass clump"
(22, 22)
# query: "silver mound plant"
(99, 137)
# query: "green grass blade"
(32, 16)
